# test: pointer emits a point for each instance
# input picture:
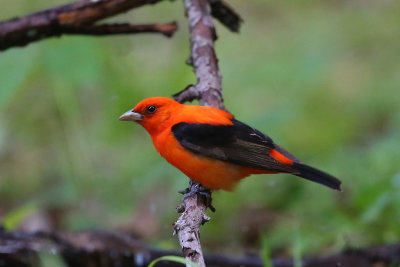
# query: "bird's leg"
(195, 188)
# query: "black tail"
(317, 176)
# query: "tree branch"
(225, 14)
(208, 91)
(193, 210)
(167, 29)
(78, 18)
(203, 59)
(58, 20)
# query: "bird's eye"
(151, 109)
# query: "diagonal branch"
(51, 22)
(75, 18)
(37, 34)
(167, 29)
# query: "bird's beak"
(131, 116)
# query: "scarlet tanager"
(213, 148)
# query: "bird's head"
(152, 113)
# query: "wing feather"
(237, 143)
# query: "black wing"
(243, 145)
(238, 143)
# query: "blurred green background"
(322, 78)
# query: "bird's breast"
(212, 173)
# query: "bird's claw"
(195, 188)
(184, 191)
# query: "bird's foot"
(195, 188)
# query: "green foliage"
(51, 259)
(297, 247)
(320, 77)
(265, 252)
(174, 259)
(14, 69)
(13, 218)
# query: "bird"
(214, 149)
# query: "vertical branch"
(208, 91)
(187, 227)
(203, 59)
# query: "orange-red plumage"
(279, 157)
(211, 147)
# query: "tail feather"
(312, 174)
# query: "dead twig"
(167, 29)
(74, 18)
(79, 18)
(225, 14)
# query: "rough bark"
(208, 91)
(187, 227)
